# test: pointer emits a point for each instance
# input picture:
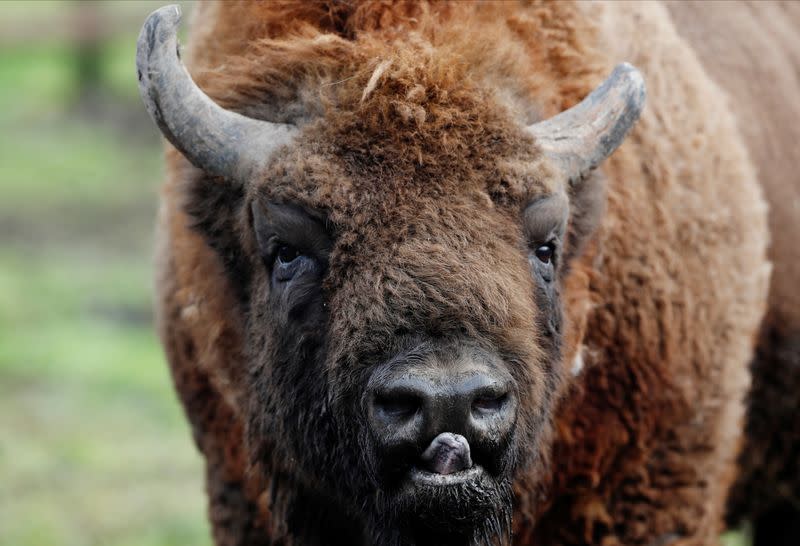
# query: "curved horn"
(580, 138)
(214, 139)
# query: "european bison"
(407, 298)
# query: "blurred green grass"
(94, 449)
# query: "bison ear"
(215, 212)
(587, 203)
(261, 228)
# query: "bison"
(409, 296)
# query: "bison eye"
(289, 262)
(287, 254)
(544, 253)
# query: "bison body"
(753, 52)
(411, 184)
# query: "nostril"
(395, 406)
(489, 403)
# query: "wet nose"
(408, 411)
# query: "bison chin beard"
(473, 513)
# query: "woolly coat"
(661, 309)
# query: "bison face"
(415, 381)
(405, 349)
(398, 264)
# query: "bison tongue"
(448, 453)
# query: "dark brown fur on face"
(413, 153)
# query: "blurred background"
(94, 448)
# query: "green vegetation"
(94, 449)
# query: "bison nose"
(410, 412)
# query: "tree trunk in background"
(89, 36)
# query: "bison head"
(397, 258)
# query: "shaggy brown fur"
(759, 71)
(413, 146)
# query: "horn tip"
(634, 79)
(158, 27)
(158, 30)
(166, 15)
